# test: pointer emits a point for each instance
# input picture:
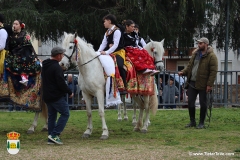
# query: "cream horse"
(156, 50)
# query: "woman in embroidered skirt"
(21, 59)
(139, 56)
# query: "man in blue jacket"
(54, 90)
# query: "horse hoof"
(143, 131)
(104, 137)
(44, 129)
(136, 129)
(85, 136)
(119, 119)
(30, 132)
(134, 123)
(125, 119)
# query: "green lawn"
(167, 138)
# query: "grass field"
(167, 138)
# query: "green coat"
(207, 69)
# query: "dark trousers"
(192, 95)
(120, 63)
(60, 106)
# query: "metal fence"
(233, 96)
(233, 91)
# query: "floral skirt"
(140, 58)
(22, 64)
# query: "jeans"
(60, 106)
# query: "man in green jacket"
(201, 72)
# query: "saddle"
(137, 83)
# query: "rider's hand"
(103, 52)
(110, 45)
(180, 73)
(71, 95)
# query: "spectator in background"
(170, 94)
(11, 107)
(160, 88)
(72, 84)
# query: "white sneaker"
(147, 71)
(154, 72)
(24, 82)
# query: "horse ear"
(162, 41)
(75, 35)
(151, 40)
(65, 34)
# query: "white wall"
(233, 64)
(44, 49)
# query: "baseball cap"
(204, 40)
(57, 50)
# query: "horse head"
(156, 50)
(70, 44)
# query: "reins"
(89, 60)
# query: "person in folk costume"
(113, 43)
(21, 59)
(139, 56)
(3, 41)
(140, 40)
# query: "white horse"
(91, 77)
(156, 50)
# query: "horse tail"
(153, 102)
(43, 105)
(44, 112)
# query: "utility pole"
(226, 55)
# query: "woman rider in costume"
(22, 58)
(140, 40)
(138, 55)
(113, 43)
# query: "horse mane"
(84, 46)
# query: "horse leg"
(34, 124)
(124, 108)
(45, 127)
(140, 117)
(119, 112)
(134, 120)
(146, 106)
(88, 101)
(100, 99)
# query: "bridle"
(154, 53)
(74, 49)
